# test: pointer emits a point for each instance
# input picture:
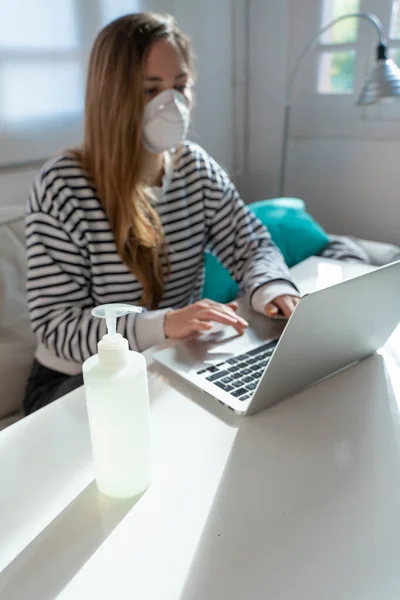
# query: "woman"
(126, 217)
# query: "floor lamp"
(382, 83)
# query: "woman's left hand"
(281, 306)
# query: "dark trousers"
(45, 385)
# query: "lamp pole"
(289, 90)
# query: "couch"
(17, 342)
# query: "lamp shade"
(383, 83)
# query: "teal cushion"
(218, 283)
(292, 229)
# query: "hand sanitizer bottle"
(117, 401)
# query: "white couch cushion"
(17, 341)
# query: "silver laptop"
(329, 330)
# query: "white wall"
(209, 23)
(268, 50)
(350, 186)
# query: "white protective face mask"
(166, 121)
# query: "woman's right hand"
(195, 318)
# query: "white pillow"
(17, 342)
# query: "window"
(394, 32)
(338, 46)
(337, 57)
(43, 53)
(331, 77)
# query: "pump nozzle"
(111, 319)
(111, 312)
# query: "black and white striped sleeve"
(238, 239)
(59, 283)
(58, 290)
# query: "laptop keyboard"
(240, 374)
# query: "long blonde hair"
(112, 149)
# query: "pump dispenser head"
(113, 348)
(111, 312)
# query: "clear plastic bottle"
(117, 401)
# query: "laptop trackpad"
(223, 343)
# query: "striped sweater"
(73, 264)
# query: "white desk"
(300, 502)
